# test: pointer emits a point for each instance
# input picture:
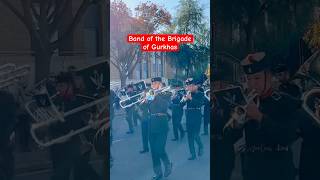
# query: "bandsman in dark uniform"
(130, 110)
(158, 128)
(223, 154)
(282, 75)
(310, 148)
(206, 116)
(194, 100)
(270, 126)
(7, 119)
(177, 113)
(143, 113)
(309, 131)
(67, 156)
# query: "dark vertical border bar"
(212, 58)
(107, 54)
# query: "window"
(137, 71)
(92, 29)
(161, 67)
(154, 67)
(144, 69)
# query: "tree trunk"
(176, 72)
(123, 79)
(42, 64)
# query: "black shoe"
(168, 170)
(182, 135)
(192, 158)
(144, 151)
(157, 177)
(174, 139)
(200, 153)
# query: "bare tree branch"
(49, 7)
(16, 12)
(76, 20)
(35, 12)
(115, 65)
(57, 16)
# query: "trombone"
(138, 98)
(130, 101)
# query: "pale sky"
(170, 5)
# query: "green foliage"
(192, 58)
(312, 36)
(273, 25)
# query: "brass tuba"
(48, 117)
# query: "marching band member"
(223, 154)
(144, 118)
(270, 126)
(7, 116)
(177, 113)
(67, 155)
(206, 116)
(129, 110)
(194, 100)
(158, 129)
(282, 75)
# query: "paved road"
(38, 166)
(129, 164)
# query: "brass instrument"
(311, 104)
(238, 115)
(307, 78)
(46, 114)
(140, 97)
(207, 94)
(11, 75)
(132, 100)
(184, 98)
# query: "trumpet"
(238, 115)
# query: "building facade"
(152, 65)
(88, 44)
